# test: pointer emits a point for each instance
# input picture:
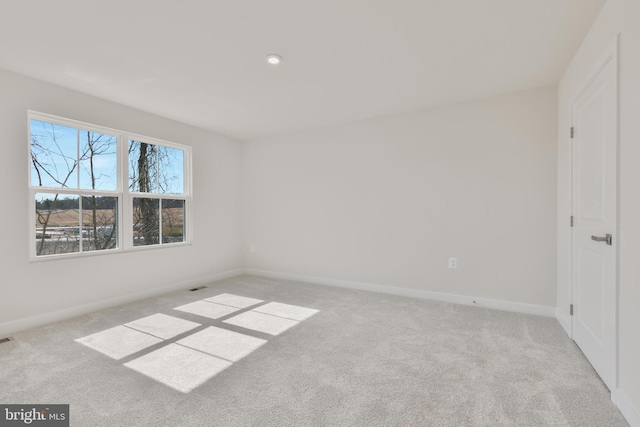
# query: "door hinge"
(571, 132)
(571, 309)
(571, 220)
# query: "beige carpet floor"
(250, 351)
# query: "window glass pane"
(54, 154)
(172, 221)
(99, 223)
(143, 167)
(146, 221)
(57, 224)
(155, 169)
(171, 171)
(98, 161)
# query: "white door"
(594, 236)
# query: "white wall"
(60, 288)
(388, 201)
(617, 17)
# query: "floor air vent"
(197, 289)
(4, 340)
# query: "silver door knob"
(608, 239)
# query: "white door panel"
(594, 154)
(592, 277)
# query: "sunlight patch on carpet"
(285, 310)
(222, 343)
(192, 360)
(234, 300)
(207, 309)
(260, 322)
(162, 326)
(119, 341)
(178, 367)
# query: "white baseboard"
(564, 320)
(68, 313)
(517, 307)
(627, 409)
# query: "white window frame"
(122, 193)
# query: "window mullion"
(158, 169)
(78, 158)
(80, 224)
(160, 220)
(126, 210)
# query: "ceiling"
(202, 62)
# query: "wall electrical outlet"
(453, 262)
(252, 248)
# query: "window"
(98, 189)
(155, 178)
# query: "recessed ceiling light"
(274, 59)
